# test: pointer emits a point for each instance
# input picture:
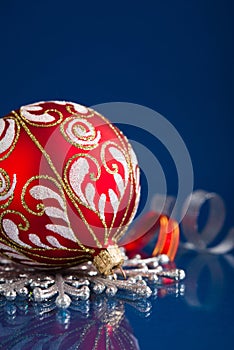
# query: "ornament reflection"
(92, 324)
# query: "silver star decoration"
(70, 287)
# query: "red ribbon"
(145, 230)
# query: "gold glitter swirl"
(5, 182)
(114, 166)
(17, 132)
(41, 124)
(117, 132)
(22, 226)
(80, 133)
(91, 175)
(122, 229)
(80, 115)
(40, 207)
(92, 178)
(6, 188)
(133, 185)
(66, 261)
(62, 183)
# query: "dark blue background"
(173, 56)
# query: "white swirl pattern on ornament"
(54, 242)
(77, 107)
(114, 200)
(90, 193)
(63, 231)
(101, 205)
(120, 183)
(42, 193)
(81, 168)
(118, 155)
(3, 187)
(27, 112)
(80, 133)
(36, 241)
(101, 181)
(7, 140)
(12, 231)
(54, 212)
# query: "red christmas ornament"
(69, 186)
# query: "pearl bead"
(63, 301)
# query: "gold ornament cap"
(108, 260)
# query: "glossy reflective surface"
(175, 57)
(198, 314)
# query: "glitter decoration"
(69, 186)
(83, 282)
